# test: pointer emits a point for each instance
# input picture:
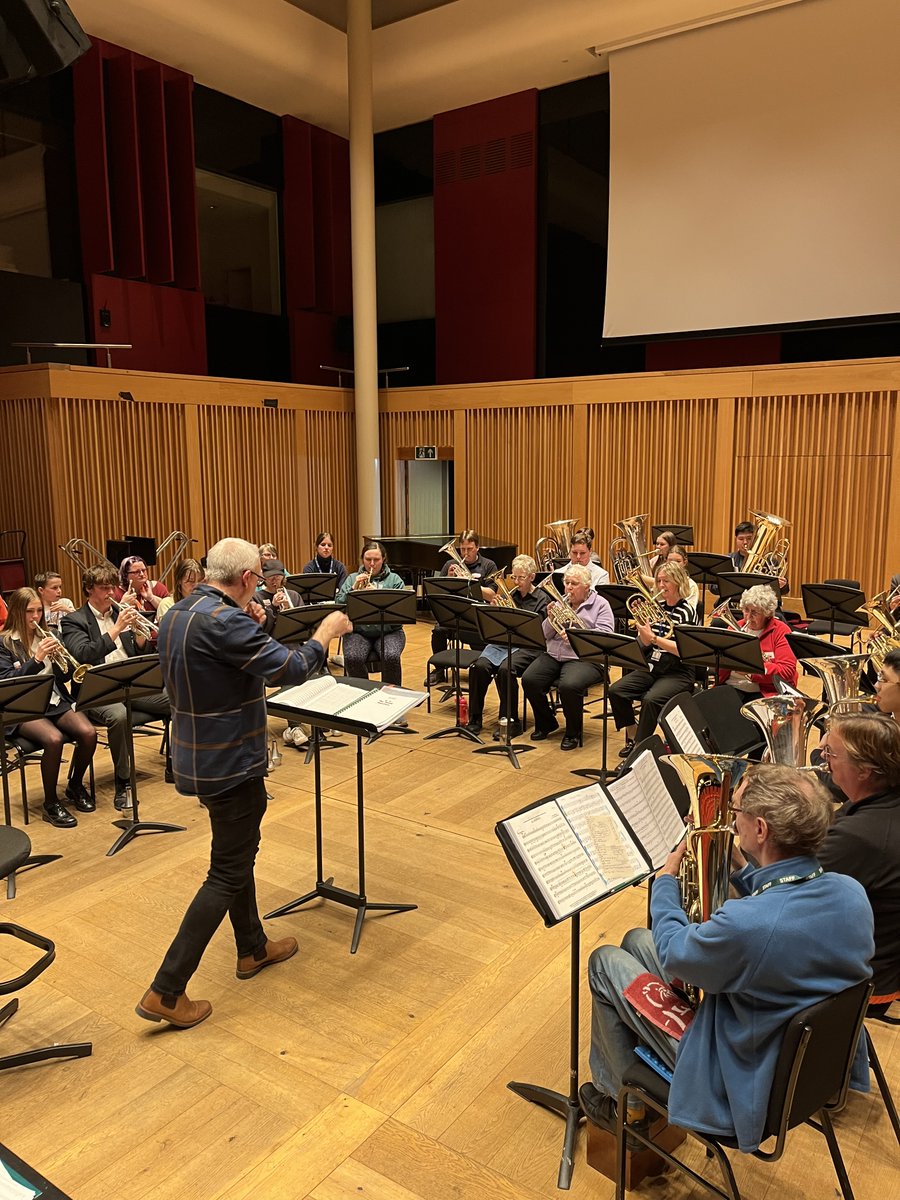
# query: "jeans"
(616, 1027)
(235, 817)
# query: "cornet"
(62, 657)
(141, 623)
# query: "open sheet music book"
(575, 848)
(326, 697)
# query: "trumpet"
(62, 657)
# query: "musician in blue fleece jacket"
(795, 936)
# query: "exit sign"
(426, 452)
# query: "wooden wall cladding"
(330, 479)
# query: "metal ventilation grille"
(495, 156)
(445, 168)
(470, 162)
(521, 149)
(486, 158)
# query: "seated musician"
(478, 567)
(581, 555)
(386, 643)
(887, 685)
(24, 650)
(863, 757)
(559, 664)
(101, 631)
(494, 661)
(137, 588)
(679, 555)
(758, 604)
(274, 595)
(759, 960)
(664, 546)
(49, 586)
(323, 561)
(187, 575)
(744, 533)
(666, 675)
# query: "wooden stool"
(601, 1152)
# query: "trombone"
(62, 657)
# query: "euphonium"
(628, 552)
(463, 571)
(711, 780)
(645, 609)
(786, 722)
(63, 657)
(549, 550)
(768, 554)
(560, 613)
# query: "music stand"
(381, 607)
(684, 534)
(456, 613)
(124, 683)
(293, 627)
(617, 596)
(519, 629)
(804, 645)
(602, 649)
(705, 568)
(313, 588)
(454, 585)
(325, 889)
(719, 649)
(832, 602)
(22, 698)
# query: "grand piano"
(420, 556)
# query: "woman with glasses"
(137, 589)
(758, 604)
(887, 685)
(862, 755)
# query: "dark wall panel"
(299, 243)
(164, 324)
(124, 167)
(94, 212)
(178, 89)
(316, 340)
(485, 232)
(154, 173)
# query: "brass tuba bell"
(786, 722)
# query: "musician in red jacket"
(758, 605)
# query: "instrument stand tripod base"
(132, 828)
(596, 773)
(325, 890)
(510, 749)
(457, 730)
(564, 1107)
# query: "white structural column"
(362, 226)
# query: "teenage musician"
(49, 586)
(887, 685)
(559, 663)
(187, 575)
(494, 663)
(666, 675)
(478, 567)
(663, 547)
(323, 561)
(24, 650)
(374, 572)
(581, 555)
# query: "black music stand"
(519, 629)
(684, 534)
(314, 588)
(718, 649)
(602, 649)
(374, 606)
(705, 568)
(454, 613)
(834, 603)
(454, 585)
(325, 889)
(617, 596)
(22, 698)
(804, 645)
(294, 626)
(126, 682)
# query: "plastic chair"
(15, 856)
(810, 1083)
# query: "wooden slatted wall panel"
(426, 428)
(653, 457)
(517, 472)
(824, 463)
(28, 484)
(252, 481)
(331, 483)
(123, 467)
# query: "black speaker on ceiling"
(37, 37)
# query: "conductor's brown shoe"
(272, 952)
(177, 1010)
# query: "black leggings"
(50, 735)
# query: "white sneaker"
(337, 660)
(298, 738)
(288, 736)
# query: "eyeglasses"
(138, 571)
(734, 811)
(256, 573)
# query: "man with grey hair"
(217, 661)
(559, 663)
(794, 936)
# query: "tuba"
(628, 552)
(786, 722)
(549, 550)
(768, 554)
(840, 675)
(705, 874)
(463, 571)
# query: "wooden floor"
(381, 1075)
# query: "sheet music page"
(684, 732)
(555, 858)
(599, 829)
(322, 695)
(648, 808)
(382, 706)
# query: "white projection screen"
(755, 172)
